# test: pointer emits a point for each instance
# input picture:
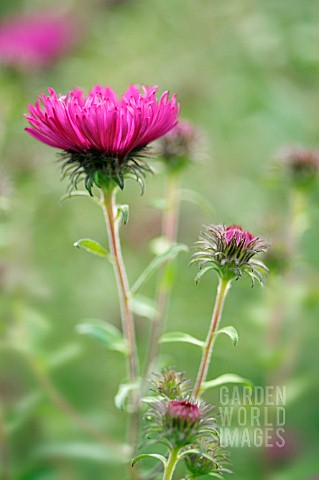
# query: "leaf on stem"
(156, 263)
(91, 246)
(226, 378)
(123, 393)
(231, 332)
(124, 211)
(181, 337)
(144, 307)
(149, 455)
(105, 333)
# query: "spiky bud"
(171, 384)
(208, 459)
(230, 251)
(178, 423)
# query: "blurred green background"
(247, 73)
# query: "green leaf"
(231, 332)
(156, 263)
(144, 307)
(181, 337)
(89, 451)
(123, 393)
(197, 199)
(92, 246)
(227, 378)
(149, 455)
(124, 211)
(105, 333)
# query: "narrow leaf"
(231, 332)
(149, 455)
(92, 246)
(123, 393)
(105, 333)
(156, 263)
(227, 378)
(144, 307)
(181, 337)
(124, 211)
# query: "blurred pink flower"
(35, 40)
(181, 145)
(103, 136)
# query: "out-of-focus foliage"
(247, 73)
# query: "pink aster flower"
(103, 137)
(230, 251)
(34, 41)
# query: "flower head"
(171, 384)
(179, 146)
(34, 41)
(104, 138)
(301, 164)
(230, 251)
(178, 423)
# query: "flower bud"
(230, 251)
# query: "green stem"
(171, 464)
(128, 326)
(222, 290)
(110, 213)
(297, 220)
(169, 231)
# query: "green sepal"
(149, 455)
(123, 210)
